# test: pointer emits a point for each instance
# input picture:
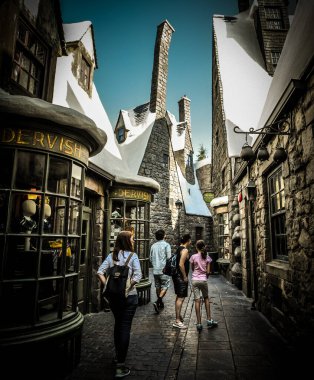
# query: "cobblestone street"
(243, 346)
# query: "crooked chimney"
(158, 92)
(185, 112)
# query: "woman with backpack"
(200, 265)
(123, 306)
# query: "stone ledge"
(279, 269)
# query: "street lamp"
(179, 206)
(279, 128)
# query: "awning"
(219, 201)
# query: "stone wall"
(286, 288)
(163, 210)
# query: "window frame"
(277, 218)
(85, 73)
(41, 66)
(120, 138)
(274, 20)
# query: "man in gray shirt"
(159, 252)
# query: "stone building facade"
(271, 205)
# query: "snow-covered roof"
(244, 80)
(68, 93)
(81, 31)
(219, 201)
(178, 131)
(194, 203)
(139, 122)
(297, 53)
(201, 163)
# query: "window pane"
(56, 221)
(21, 257)
(6, 170)
(74, 214)
(141, 211)
(68, 304)
(76, 181)
(29, 171)
(3, 210)
(23, 79)
(58, 175)
(49, 294)
(130, 209)
(50, 262)
(24, 213)
(72, 254)
(19, 301)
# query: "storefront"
(130, 208)
(44, 151)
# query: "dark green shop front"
(42, 178)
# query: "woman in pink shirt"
(200, 264)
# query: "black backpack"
(117, 280)
(170, 268)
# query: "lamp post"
(251, 194)
(179, 207)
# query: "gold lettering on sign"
(39, 137)
(43, 140)
(68, 147)
(51, 144)
(131, 194)
(8, 135)
(20, 135)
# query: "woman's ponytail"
(200, 245)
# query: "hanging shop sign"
(48, 141)
(131, 194)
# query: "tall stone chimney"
(158, 91)
(243, 5)
(185, 111)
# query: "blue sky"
(125, 32)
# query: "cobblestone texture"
(243, 346)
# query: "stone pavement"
(243, 346)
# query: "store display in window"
(27, 223)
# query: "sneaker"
(122, 371)
(199, 327)
(179, 325)
(156, 307)
(211, 323)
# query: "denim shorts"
(162, 281)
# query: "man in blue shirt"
(159, 252)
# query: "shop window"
(223, 235)
(30, 61)
(85, 72)
(40, 211)
(6, 156)
(277, 212)
(133, 215)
